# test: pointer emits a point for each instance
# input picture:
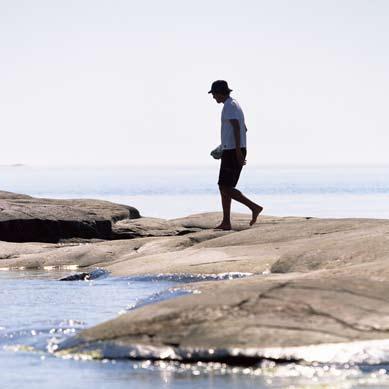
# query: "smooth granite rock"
(148, 226)
(256, 313)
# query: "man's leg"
(225, 193)
(241, 198)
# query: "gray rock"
(147, 227)
(28, 219)
(250, 314)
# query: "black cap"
(220, 86)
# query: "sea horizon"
(176, 191)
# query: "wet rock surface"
(85, 276)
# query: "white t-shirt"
(232, 110)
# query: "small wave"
(158, 297)
(188, 277)
(39, 339)
(373, 352)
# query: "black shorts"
(230, 168)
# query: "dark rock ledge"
(28, 219)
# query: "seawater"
(36, 309)
(170, 192)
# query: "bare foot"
(224, 227)
(256, 211)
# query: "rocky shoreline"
(313, 283)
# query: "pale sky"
(125, 82)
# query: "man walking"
(233, 141)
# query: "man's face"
(219, 97)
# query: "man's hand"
(240, 157)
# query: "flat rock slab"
(210, 220)
(274, 245)
(29, 219)
(148, 226)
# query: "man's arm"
(236, 127)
